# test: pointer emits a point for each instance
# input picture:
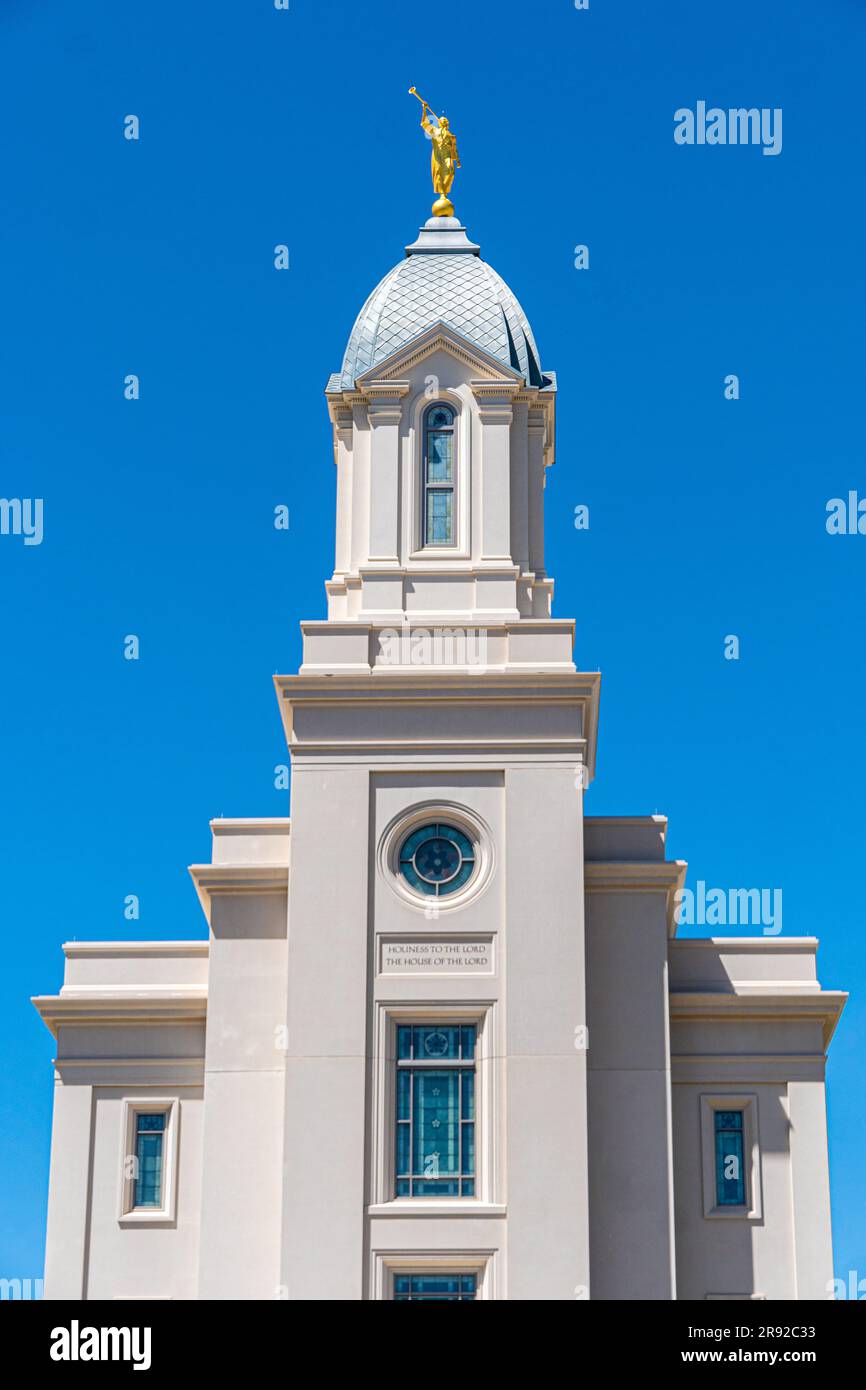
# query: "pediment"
(439, 337)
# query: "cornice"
(221, 880)
(760, 1006)
(72, 949)
(276, 823)
(650, 876)
(151, 1006)
(538, 685)
(785, 944)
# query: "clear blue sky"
(707, 516)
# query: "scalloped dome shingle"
(442, 279)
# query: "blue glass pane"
(468, 1187)
(467, 1100)
(403, 1148)
(463, 843)
(444, 1187)
(415, 879)
(440, 417)
(435, 1288)
(439, 517)
(147, 1189)
(467, 1148)
(151, 1122)
(467, 1040)
(437, 1043)
(404, 1041)
(730, 1174)
(411, 843)
(729, 1119)
(404, 1083)
(437, 860)
(436, 1129)
(436, 1283)
(463, 875)
(402, 1187)
(440, 454)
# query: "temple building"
(442, 1041)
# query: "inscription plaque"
(436, 957)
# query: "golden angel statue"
(444, 159)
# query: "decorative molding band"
(147, 1007)
(71, 949)
(153, 1062)
(221, 880)
(665, 876)
(824, 1007)
(804, 945)
(275, 825)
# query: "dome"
(442, 279)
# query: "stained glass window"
(730, 1178)
(435, 1139)
(437, 859)
(435, 1288)
(439, 475)
(149, 1141)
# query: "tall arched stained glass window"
(439, 475)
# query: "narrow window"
(149, 1144)
(435, 1140)
(730, 1177)
(438, 488)
(435, 1288)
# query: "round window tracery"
(437, 859)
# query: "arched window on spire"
(439, 476)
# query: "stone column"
(536, 491)
(385, 413)
(494, 417)
(66, 1246)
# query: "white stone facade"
(440, 689)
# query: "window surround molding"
(448, 812)
(382, 1201)
(166, 1213)
(416, 447)
(752, 1210)
(432, 485)
(387, 1263)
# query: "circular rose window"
(437, 859)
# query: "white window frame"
(425, 486)
(166, 1212)
(383, 1202)
(388, 1263)
(461, 549)
(751, 1210)
(451, 813)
